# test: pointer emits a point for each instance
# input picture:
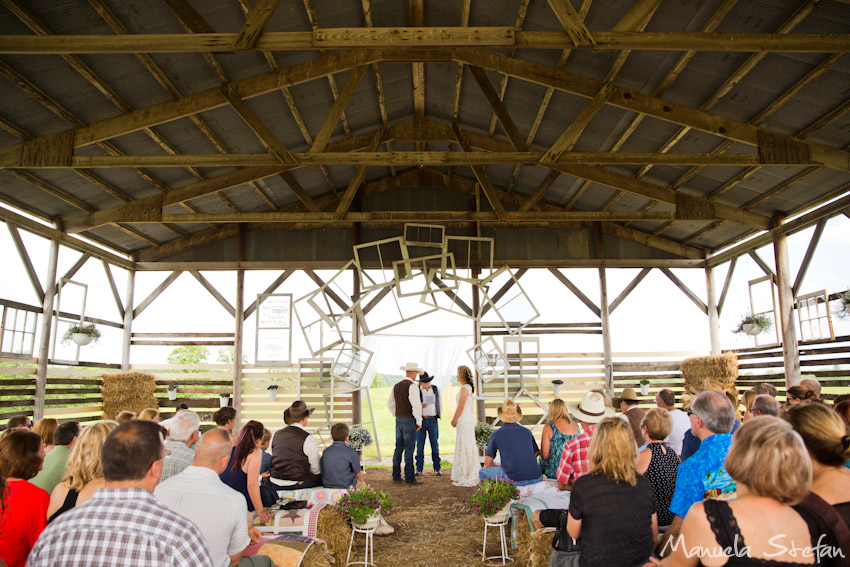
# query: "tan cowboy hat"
(591, 408)
(411, 367)
(628, 395)
(509, 412)
(296, 412)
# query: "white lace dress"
(466, 466)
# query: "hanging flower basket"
(224, 400)
(172, 391)
(556, 386)
(644, 387)
(753, 325)
(81, 335)
(273, 392)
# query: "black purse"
(567, 549)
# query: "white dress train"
(465, 466)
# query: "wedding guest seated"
(557, 431)
(65, 437)
(182, 436)
(587, 412)
(659, 463)
(773, 472)
(516, 447)
(166, 423)
(703, 475)
(25, 505)
(266, 467)
(226, 419)
(813, 385)
(295, 453)
(123, 523)
(125, 416)
(149, 414)
(612, 498)
(18, 422)
(198, 494)
(764, 405)
(45, 428)
(242, 473)
(340, 463)
(827, 439)
(796, 394)
(766, 388)
(628, 404)
(666, 399)
(83, 471)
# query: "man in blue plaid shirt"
(123, 524)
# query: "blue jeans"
(498, 472)
(431, 428)
(405, 439)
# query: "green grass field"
(385, 424)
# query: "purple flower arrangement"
(491, 495)
(359, 505)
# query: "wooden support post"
(356, 402)
(480, 409)
(128, 321)
(606, 333)
(786, 307)
(238, 329)
(46, 320)
(713, 314)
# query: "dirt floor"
(432, 525)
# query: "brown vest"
(289, 462)
(401, 393)
(635, 416)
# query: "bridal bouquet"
(359, 437)
(483, 431)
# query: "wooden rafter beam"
(652, 106)
(402, 159)
(685, 289)
(576, 291)
(356, 180)
(253, 27)
(425, 38)
(540, 191)
(503, 290)
(570, 135)
(730, 272)
(299, 191)
(807, 259)
(331, 120)
(499, 109)
(211, 98)
(628, 289)
(113, 288)
(478, 170)
(270, 289)
(257, 125)
(156, 293)
(571, 22)
(23, 254)
(214, 292)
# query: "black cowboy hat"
(425, 377)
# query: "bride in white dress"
(465, 466)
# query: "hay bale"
(132, 391)
(335, 530)
(533, 549)
(722, 369)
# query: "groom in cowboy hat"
(430, 398)
(295, 453)
(405, 405)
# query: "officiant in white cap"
(406, 406)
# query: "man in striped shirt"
(123, 524)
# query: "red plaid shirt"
(574, 459)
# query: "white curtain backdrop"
(438, 356)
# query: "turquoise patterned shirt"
(703, 476)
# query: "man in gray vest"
(405, 405)
(295, 453)
(430, 398)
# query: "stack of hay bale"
(716, 372)
(131, 391)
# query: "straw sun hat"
(591, 408)
(509, 412)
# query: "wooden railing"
(74, 393)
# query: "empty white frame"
(470, 252)
(385, 253)
(412, 277)
(489, 360)
(509, 304)
(526, 351)
(351, 363)
(428, 235)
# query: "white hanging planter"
(644, 389)
(172, 395)
(272, 395)
(556, 387)
(223, 401)
(752, 329)
(82, 339)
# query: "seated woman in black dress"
(612, 509)
(243, 469)
(773, 472)
(659, 463)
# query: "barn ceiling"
(628, 129)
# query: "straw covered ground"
(432, 526)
